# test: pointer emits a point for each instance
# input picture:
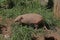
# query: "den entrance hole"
(49, 38)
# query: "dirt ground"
(49, 35)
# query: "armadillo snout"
(15, 20)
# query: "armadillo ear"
(21, 18)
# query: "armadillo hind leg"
(35, 26)
(45, 27)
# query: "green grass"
(29, 6)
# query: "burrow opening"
(49, 38)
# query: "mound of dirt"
(5, 27)
(50, 35)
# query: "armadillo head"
(18, 19)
